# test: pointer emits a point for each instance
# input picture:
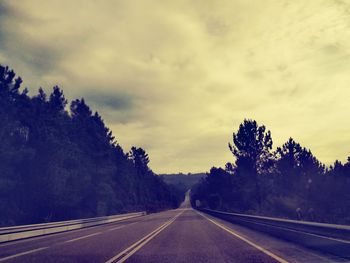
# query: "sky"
(178, 77)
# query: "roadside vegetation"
(288, 182)
(58, 163)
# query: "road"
(182, 235)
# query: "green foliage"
(276, 183)
(57, 165)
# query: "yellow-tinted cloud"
(188, 72)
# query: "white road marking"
(279, 259)
(79, 238)
(22, 254)
(15, 242)
(119, 227)
(68, 241)
(19, 241)
(303, 232)
(128, 252)
(115, 228)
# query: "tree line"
(288, 182)
(58, 164)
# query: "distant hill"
(183, 181)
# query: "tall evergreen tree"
(57, 165)
(251, 147)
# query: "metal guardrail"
(26, 231)
(328, 238)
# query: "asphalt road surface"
(182, 235)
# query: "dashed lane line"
(22, 254)
(83, 237)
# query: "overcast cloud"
(178, 77)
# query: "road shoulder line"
(265, 251)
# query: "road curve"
(182, 235)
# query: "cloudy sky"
(178, 77)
